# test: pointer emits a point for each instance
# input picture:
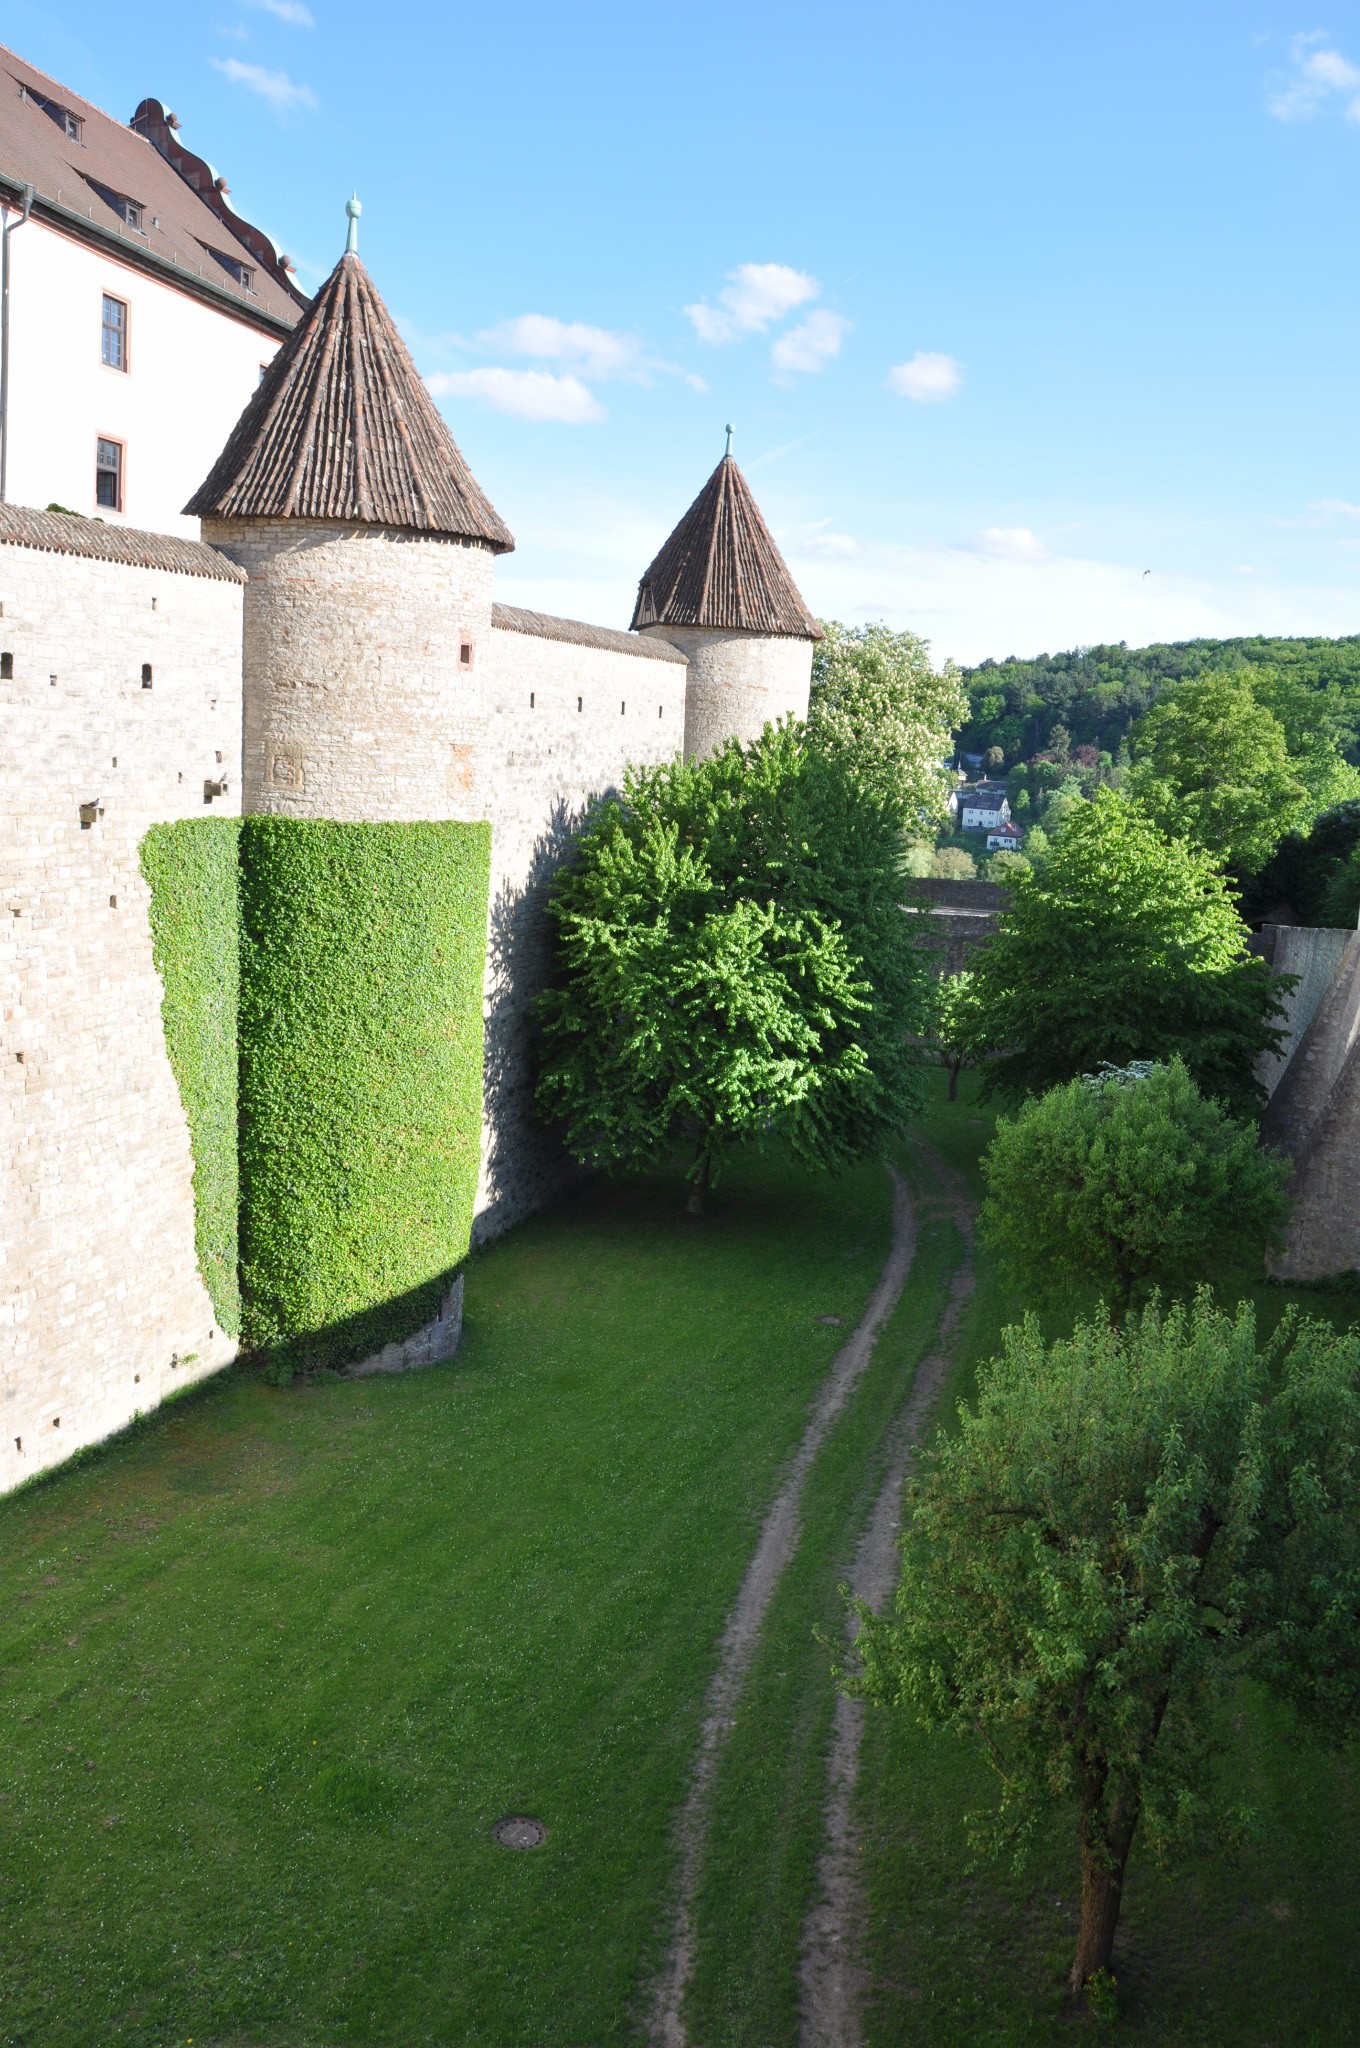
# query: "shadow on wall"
(525, 1164)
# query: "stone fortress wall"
(739, 682)
(1313, 1114)
(102, 1311)
(120, 706)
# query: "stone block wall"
(102, 1311)
(1313, 1114)
(568, 707)
(364, 650)
(738, 682)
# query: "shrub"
(361, 1077)
(1129, 1179)
(191, 869)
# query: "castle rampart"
(738, 682)
(121, 696)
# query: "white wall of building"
(190, 372)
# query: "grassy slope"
(275, 1662)
(1253, 1950)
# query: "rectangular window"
(108, 475)
(113, 334)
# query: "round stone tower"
(721, 592)
(369, 548)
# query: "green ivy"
(362, 958)
(191, 869)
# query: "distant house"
(981, 807)
(1005, 837)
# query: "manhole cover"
(517, 1831)
(836, 1321)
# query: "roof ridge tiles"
(342, 427)
(721, 568)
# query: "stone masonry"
(102, 1312)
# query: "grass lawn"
(273, 1663)
(1250, 1951)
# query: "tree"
(1114, 1530)
(1128, 1179)
(954, 864)
(733, 964)
(1212, 766)
(879, 707)
(956, 1023)
(1125, 946)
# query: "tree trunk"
(954, 1066)
(698, 1187)
(1102, 1893)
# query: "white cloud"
(1317, 78)
(291, 11)
(929, 377)
(274, 86)
(1335, 508)
(595, 351)
(825, 544)
(754, 297)
(696, 383)
(524, 394)
(811, 343)
(1009, 544)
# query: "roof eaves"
(82, 229)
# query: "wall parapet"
(66, 533)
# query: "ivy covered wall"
(362, 958)
(191, 868)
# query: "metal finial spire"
(731, 430)
(353, 209)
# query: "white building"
(980, 809)
(141, 309)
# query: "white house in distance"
(981, 808)
(141, 309)
(1005, 837)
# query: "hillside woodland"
(1060, 726)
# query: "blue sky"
(1009, 305)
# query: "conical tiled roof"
(342, 427)
(721, 568)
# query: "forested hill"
(1096, 693)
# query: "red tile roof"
(512, 618)
(721, 568)
(65, 533)
(342, 427)
(84, 181)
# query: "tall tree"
(733, 964)
(879, 706)
(1112, 1530)
(1125, 945)
(1212, 766)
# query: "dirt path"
(832, 1976)
(778, 1539)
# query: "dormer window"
(71, 124)
(242, 273)
(130, 210)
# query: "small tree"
(956, 1023)
(879, 706)
(1212, 766)
(1112, 1531)
(734, 964)
(1125, 946)
(1128, 1179)
(954, 864)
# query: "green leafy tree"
(1127, 1180)
(1212, 766)
(1114, 1530)
(956, 1023)
(733, 964)
(1125, 945)
(879, 706)
(953, 864)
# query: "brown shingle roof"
(342, 427)
(512, 618)
(82, 181)
(721, 568)
(63, 533)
